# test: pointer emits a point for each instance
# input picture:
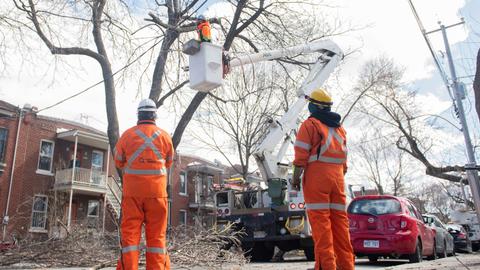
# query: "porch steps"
(114, 196)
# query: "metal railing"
(82, 176)
(115, 188)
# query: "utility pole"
(471, 167)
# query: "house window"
(39, 212)
(3, 143)
(209, 184)
(97, 167)
(183, 183)
(45, 158)
(93, 208)
(183, 217)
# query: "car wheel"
(372, 258)
(443, 254)
(417, 255)
(309, 253)
(476, 246)
(434, 254)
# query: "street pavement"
(460, 262)
(299, 263)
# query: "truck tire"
(309, 253)
(261, 252)
(417, 255)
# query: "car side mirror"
(429, 221)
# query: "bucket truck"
(271, 213)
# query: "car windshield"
(374, 207)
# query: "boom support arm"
(280, 131)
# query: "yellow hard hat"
(320, 97)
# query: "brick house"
(43, 188)
(191, 195)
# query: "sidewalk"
(470, 261)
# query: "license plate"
(371, 243)
(259, 234)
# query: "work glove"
(296, 178)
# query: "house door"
(97, 167)
(74, 213)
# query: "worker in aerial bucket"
(144, 153)
(204, 29)
(321, 156)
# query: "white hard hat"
(147, 105)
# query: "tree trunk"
(186, 117)
(476, 86)
(158, 73)
(113, 128)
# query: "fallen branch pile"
(191, 246)
(187, 247)
(82, 247)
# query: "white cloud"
(431, 104)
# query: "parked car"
(390, 227)
(469, 221)
(443, 239)
(460, 238)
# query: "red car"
(389, 226)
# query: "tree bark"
(476, 86)
(159, 72)
(186, 117)
(109, 85)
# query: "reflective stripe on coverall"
(321, 151)
(144, 152)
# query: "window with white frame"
(209, 184)
(39, 212)
(183, 217)
(93, 208)
(183, 183)
(45, 158)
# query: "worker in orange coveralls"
(204, 29)
(321, 155)
(144, 152)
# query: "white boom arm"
(267, 159)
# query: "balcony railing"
(82, 176)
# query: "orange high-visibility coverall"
(144, 153)
(321, 151)
(204, 31)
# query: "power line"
(101, 81)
